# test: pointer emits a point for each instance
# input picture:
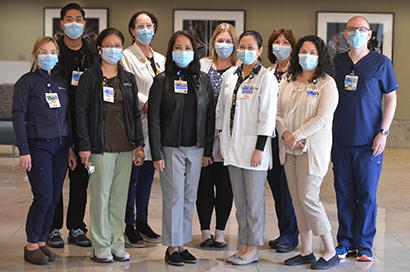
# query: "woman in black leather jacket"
(181, 122)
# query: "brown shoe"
(35, 256)
(51, 256)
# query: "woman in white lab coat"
(145, 64)
(245, 114)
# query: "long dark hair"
(194, 66)
(324, 66)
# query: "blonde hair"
(225, 27)
(38, 44)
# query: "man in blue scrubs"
(360, 130)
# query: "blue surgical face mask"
(47, 62)
(73, 30)
(308, 61)
(224, 50)
(281, 52)
(247, 56)
(357, 39)
(112, 55)
(182, 58)
(145, 35)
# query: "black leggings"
(215, 175)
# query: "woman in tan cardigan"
(306, 103)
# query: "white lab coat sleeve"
(219, 111)
(280, 125)
(268, 93)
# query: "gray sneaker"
(54, 239)
(78, 238)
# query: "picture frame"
(97, 20)
(202, 23)
(331, 25)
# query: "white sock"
(206, 234)
(219, 236)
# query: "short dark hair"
(131, 24)
(107, 32)
(257, 37)
(194, 66)
(324, 66)
(287, 33)
(71, 6)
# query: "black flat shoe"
(283, 247)
(188, 257)
(174, 258)
(219, 244)
(299, 259)
(208, 242)
(273, 243)
(322, 264)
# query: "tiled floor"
(391, 247)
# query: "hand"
(25, 162)
(256, 159)
(220, 155)
(139, 156)
(206, 161)
(159, 165)
(288, 140)
(299, 145)
(84, 156)
(145, 107)
(72, 159)
(379, 143)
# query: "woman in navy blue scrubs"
(42, 126)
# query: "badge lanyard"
(77, 74)
(108, 92)
(52, 98)
(351, 81)
(180, 86)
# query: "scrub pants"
(139, 192)
(288, 227)
(356, 174)
(109, 185)
(49, 160)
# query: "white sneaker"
(105, 257)
(121, 256)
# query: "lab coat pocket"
(312, 102)
(247, 147)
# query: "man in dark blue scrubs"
(360, 130)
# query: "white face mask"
(281, 52)
(73, 30)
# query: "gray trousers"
(248, 188)
(179, 183)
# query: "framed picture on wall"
(97, 20)
(202, 23)
(331, 25)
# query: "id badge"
(180, 86)
(247, 91)
(312, 92)
(52, 100)
(108, 94)
(76, 77)
(351, 83)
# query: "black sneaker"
(147, 233)
(174, 259)
(134, 239)
(78, 238)
(54, 239)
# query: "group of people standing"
(215, 128)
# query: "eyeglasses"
(108, 45)
(353, 29)
(46, 52)
(282, 29)
(142, 26)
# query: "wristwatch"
(385, 132)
